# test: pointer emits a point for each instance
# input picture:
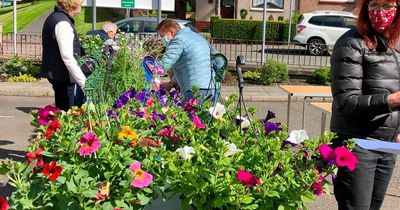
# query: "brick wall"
(312, 5)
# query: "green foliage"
(274, 71)
(16, 66)
(271, 17)
(254, 75)
(295, 16)
(92, 45)
(243, 13)
(280, 18)
(322, 75)
(83, 21)
(250, 29)
(22, 78)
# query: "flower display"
(318, 189)
(186, 152)
(217, 111)
(232, 149)
(197, 122)
(104, 191)
(36, 154)
(127, 132)
(3, 203)
(54, 126)
(247, 179)
(89, 144)
(270, 127)
(242, 122)
(345, 158)
(141, 179)
(47, 114)
(51, 170)
(327, 153)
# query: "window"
(271, 4)
(150, 26)
(130, 27)
(333, 21)
(350, 22)
(227, 2)
(338, 1)
(317, 20)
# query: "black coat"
(361, 81)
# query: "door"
(227, 8)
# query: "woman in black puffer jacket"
(365, 76)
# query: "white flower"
(218, 111)
(297, 136)
(244, 122)
(232, 149)
(186, 152)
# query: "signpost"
(128, 3)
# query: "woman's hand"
(394, 100)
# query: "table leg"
(323, 121)
(304, 113)
(288, 110)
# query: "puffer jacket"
(188, 54)
(361, 80)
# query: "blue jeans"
(365, 187)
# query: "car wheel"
(316, 46)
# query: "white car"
(320, 30)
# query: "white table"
(326, 108)
(306, 92)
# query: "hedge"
(250, 29)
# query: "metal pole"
(290, 22)
(218, 7)
(159, 11)
(128, 13)
(264, 31)
(15, 27)
(94, 15)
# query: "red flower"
(54, 126)
(345, 158)
(150, 142)
(3, 204)
(167, 131)
(52, 171)
(247, 179)
(31, 156)
(318, 190)
(176, 139)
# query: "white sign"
(166, 5)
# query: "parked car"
(145, 25)
(320, 30)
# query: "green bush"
(322, 75)
(16, 66)
(243, 13)
(280, 18)
(274, 71)
(250, 29)
(252, 75)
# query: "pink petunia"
(345, 158)
(318, 190)
(197, 122)
(47, 114)
(141, 179)
(326, 152)
(89, 144)
(247, 179)
(167, 131)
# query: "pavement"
(42, 88)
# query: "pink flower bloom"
(197, 122)
(167, 131)
(247, 179)
(318, 190)
(47, 114)
(191, 105)
(31, 156)
(176, 139)
(345, 158)
(149, 102)
(141, 179)
(89, 144)
(327, 153)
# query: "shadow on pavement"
(11, 154)
(5, 191)
(26, 109)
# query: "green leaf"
(148, 190)
(61, 179)
(218, 202)
(272, 194)
(172, 168)
(144, 200)
(307, 197)
(121, 204)
(71, 186)
(186, 203)
(281, 207)
(30, 167)
(246, 199)
(47, 154)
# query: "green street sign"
(127, 3)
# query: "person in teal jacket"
(188, 55)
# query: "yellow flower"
(134, 142)
(128, 133)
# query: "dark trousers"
(64, 93)
(365, 187)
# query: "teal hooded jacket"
(188, 55)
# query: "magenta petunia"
(327, 153)
(89, 144)
(345, 158)
(47, 114)
(247, 179)
(166, 132)
(318, 190)
(197, 122)
(141, 179)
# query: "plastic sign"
(166, 5)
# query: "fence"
(30, 45)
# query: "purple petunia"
(124, 98)
(270, 127)
(141, 96)
(270, 115)
(112, 114)
(139, 114)
(156, 115)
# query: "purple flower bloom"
(141, 96)
(161, 92)
(130, 93)
(270, 115)
(139, 114)
(177, 102)
(270, 126)
(112, 114)
(278, 169)
(284, 143)
(174, 94)
(156, 115)
(190, 105)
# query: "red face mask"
(381, 19)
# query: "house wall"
(312, 5)
(257, 13)
(204, 10)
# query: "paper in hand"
(377, 145)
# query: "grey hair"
(109, 26)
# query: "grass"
(83, 22)
(25, 14)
